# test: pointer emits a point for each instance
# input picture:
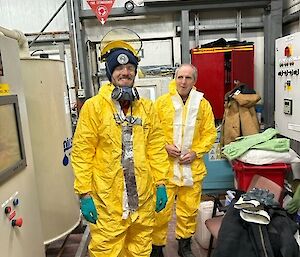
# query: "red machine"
(218, 68)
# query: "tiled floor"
(172, 245)
(68, 247)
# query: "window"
(12, 153)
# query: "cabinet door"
(211, 79)
(242, 67)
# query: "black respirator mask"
(125, 94)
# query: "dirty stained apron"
(130, 195)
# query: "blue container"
(220, 176)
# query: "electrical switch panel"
(287, 108)
(287, 86)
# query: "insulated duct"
(21, 39)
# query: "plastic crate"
(244, 173)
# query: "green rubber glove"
(161, 198)
(274, 144)
(294, 204)
(88, 209)
(243, 144)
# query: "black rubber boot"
(184, 247)
(157, 251)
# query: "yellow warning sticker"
(4, 89)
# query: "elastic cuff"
(84, 195)
(161, 183)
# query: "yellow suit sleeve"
(208, 133)
(84, 144)
(156, 152)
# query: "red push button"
(18, 222)
(7, 209)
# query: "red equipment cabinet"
(218, 67)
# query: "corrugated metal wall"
(30, 16)
(291, 6)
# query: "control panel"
(287, 86)
(10, 210)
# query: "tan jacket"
(239, 117)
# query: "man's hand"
(173, 151)
(187, 158)
(88, 209)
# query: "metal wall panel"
(117, 3)
(290, 6)
(150, 27)
(30, 16)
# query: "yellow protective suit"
(188, 197)
(96, 160)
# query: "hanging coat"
(239, 116)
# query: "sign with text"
(101, 8)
